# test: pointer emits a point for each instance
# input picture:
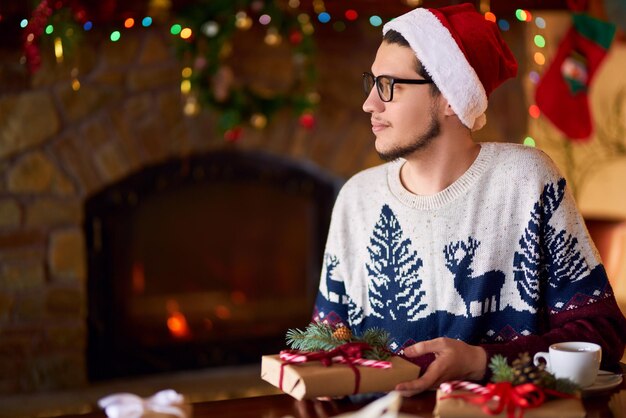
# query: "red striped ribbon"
(350, 354)
(513, 398)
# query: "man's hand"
(454, 360)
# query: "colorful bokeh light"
(175, 29)
(323, 17)
(376, 21)
(533, 111)
(540, 22)
(540, 59)
(529, 141)
(540, 41)
(351, 14)
(186, 33)
(534, 77)
(523, 15)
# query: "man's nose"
(373, 103)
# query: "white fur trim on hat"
(442, 58)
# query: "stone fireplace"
(189, 259)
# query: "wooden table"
(278, 406)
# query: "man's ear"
(444, 105)
(448, 111)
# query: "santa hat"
(462, 52)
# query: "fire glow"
(176, 321)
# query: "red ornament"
(307, 121)
(295, 37)
(233, 135)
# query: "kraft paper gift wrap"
(459, 408)
(313, 379)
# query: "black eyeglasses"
(385, 83)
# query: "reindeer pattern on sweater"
(488, 259)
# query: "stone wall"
(58, 146)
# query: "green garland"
(318, 336)
(214, 24)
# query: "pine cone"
(524, 371)
(342, 333)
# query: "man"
(460, 250)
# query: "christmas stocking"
(562, 93)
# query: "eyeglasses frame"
(393, 81)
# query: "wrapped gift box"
(459, 408)
(164, 404)
(313, 379)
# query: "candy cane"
(448, 387)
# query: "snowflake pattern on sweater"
(482, 261)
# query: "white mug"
(576, 361)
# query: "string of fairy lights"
(538, 58)
(214, 27)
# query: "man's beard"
(420, 143)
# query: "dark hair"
(394, 37)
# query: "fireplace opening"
(204, 261)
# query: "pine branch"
(318, 336)
(375, 337)
(378, 339)
(500, 368)
(566, 386)
(295, 337)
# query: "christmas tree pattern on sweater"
(394, 286)
(547, 261)
(552, 260)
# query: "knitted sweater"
(500, 258)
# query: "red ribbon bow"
(350, 354)
(505, 395)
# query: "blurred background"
(168, 167)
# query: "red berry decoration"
(307, 121)
(295, 37)
(233, 135)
